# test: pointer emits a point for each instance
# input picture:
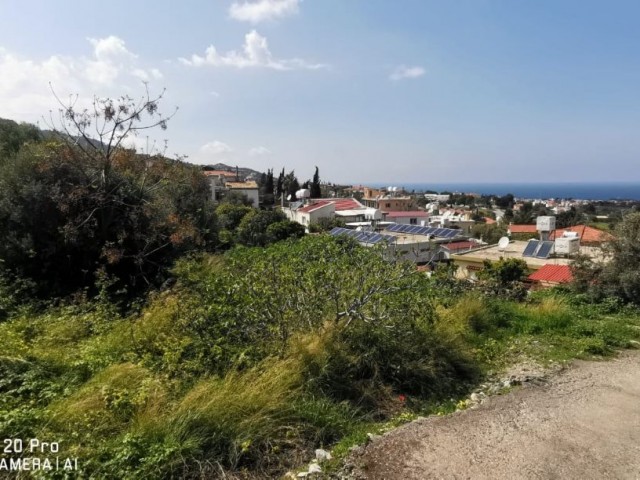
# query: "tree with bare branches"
(85, 202)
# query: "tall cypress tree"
(268, 187)
(315, 185)
(280, 184)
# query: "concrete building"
(587, 235)
(471, 262)
(436, 197)
(249, 188)
(349, 210)
(415, 217)
(217, 179)
(387, 201)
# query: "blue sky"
(368, 90)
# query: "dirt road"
(584, 423)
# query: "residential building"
(551, 275)
(588, 235)
(388, 201)
(248, 188)
(414, 217)
(349, 210)
(217, 179)
(471, 262)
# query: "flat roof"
(515, 250)
(415, 213)
(251, 185)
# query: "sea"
(578, 191)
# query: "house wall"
(395, 204)
(251, 193)
(418, 252)
(407, 220)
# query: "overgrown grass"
(549, 327)
(190, 387)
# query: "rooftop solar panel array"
(417, 230)
(538, 249)
(369, 238)
(531, 248)
(545, 249)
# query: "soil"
(581, 423)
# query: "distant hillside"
(247, 173)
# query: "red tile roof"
(313, 207)
(587, 234)
(552, 274)
(414, 214)
(489, 220)
(340, 204)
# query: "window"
(387, 205)
(413, 221)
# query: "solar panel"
(389, 238)
(545, 250)
(375, 238)
(394, 228)
(424, 231)
(439, 232)
(531, 247)
(336, 231)
(430, 230)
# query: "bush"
(63, 219)
(371, 365)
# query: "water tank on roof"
(569, 234)
(373, 214)
(303, 193)
(567, 245)
(546, 224)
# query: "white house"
(250, 189)
(415, 217)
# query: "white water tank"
(303, 193)
(546, 224)
(567, 245)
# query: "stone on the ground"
(322, 455)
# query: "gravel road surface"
(583, 423)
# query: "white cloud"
(257, 151)
(110, 69)
(255, 53)
(263, 10)
(403, 72)
(215, 148)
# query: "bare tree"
(100, 131)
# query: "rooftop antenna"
(503, 243)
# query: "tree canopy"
(73, 206)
